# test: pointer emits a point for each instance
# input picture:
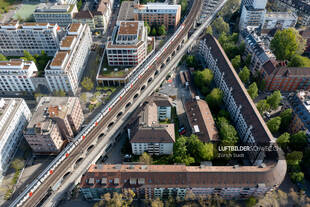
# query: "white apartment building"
(280, 20)
(33, 37)
(208, 7)
(251, 15)
(14, 116)
(129, 44)
(66, 68)
(61, 14)
(16, 75)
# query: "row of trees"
(156, 30)
(203, 79)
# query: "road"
(63, 167)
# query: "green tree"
(227, 132)
(236, 62)
(180, 152)
(250, 202)
(286, 118)
(203, 78)
(157, 203)
(153, 32)
(145, 158)
(298, 141)
(87, 83)
(286, 44)
(297, 177)
(299, 61)
(17, 164)
(220, 26)
(59, 93)
(209, 30)
(229, 8)
(284, 140)
(79, 4)
(215, 98)
(148, 28)
(190, 60)
(262, 106)
(184, 5)
(274, 99)
(199, 150)
(2, 57)
(294, 158)
(210, 151)
(274, 124)
(244, 74)
(162, 30)
(253, 90)
(29, 57)
(42, 60)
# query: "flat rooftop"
(128, 28)
(281, 15)
(67, 41)
(126, 11)
(160, 6)
(59, 58)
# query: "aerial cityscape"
(154, 103)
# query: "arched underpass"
(65, 176)
(156, 73)
(136, 96)
(78, 162)
(143, 87)
(128, 104)
(150, 79)
(120, 113)
(111, 124)
(90, 148)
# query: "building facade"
(283, 78)
(158, 14)
(129, 44)
(14, 116)
(66, 68)
(164, 181)
(256, 47)
(208, 7)
(252, 13)
(147, 133)
(279, 20)
(248, 122)
(15, 38)
(200, 120)
(301, 7)
(16, 76)
(300, 103)
(61, 14)
(54, 123)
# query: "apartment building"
(61, 14)
(158, 14)
(126, 11)
(279, 20)
(208, 7)
(200, 120)
(54, 123)
(283, 78)
(257, 46)
(15, 38)
(147, 133)
(300, 7)
(300, 103)
(16, 76)
(252, 13)
(129, 44)
(66, 68)
(248, 122)
(98, 19)
(14, 116)
(164, 181)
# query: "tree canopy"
(274, 124)
(229, 8)
(215, 98)
(2, 57)
(153, 32)
(244, 74)
(162, 30)
(87, 83)
(209, 30)
(262, 106)
(294, 158)
(253, 90)
(227, 132)
(145, 158)
(274, 99)
(203, 78)
(298, 141)
(286, 118)
(236, 62)
(220, 26)
(286, 43)
(299, 61)
(283, 140)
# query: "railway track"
(57, 174)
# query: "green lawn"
(25, 11)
